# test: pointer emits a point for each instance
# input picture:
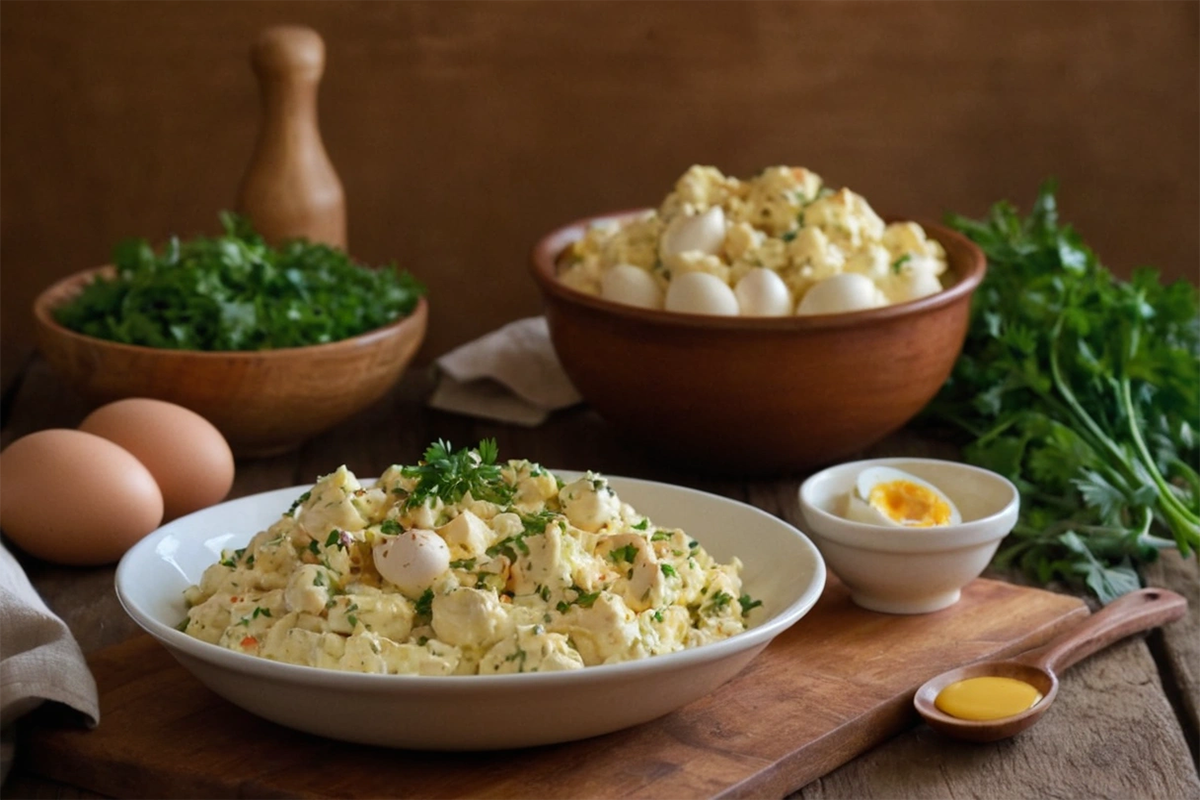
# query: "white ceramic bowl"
(782, 569)
(910, 570)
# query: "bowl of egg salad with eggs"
(553, 605)
(777, 244)
(764, 324)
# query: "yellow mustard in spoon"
(987, 697)
(969, 710)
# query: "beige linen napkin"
(39, 658)
(511, 375)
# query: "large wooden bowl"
(263, 401)
(757, 395)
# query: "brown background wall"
(462, 131)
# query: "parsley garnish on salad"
(448, 475)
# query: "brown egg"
(75, 498)
(184, 452)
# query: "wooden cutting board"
(836, 684)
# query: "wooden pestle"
(290, 189)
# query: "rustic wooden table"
(1124, 725)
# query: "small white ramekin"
(908, 570)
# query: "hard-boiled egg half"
(892, 497)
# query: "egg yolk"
(909, 503)
(987, 698)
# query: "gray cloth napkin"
(39, 658)
(511, 375)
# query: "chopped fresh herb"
(899, 263)
(298, 502)
(319, 579)
(748, 604)
(660, 536)
(259, 611)
(627, 553)
(335, 539)
(449, 476)
(536, 523)
(463, 563)
(643, 525)
(390, 527)
(582, 599)
(518, 656)
(235, 292)
(424, 604)
(693, 544)
(720, 600)
(586, 599)
(668, 570)
(658, 615)
(313, 547)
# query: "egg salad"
(780, 243)
(463, 565)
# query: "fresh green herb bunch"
(234, 292)
(1084, 390)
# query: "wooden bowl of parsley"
(272, 345)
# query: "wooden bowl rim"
(546, 251)
(70, 286)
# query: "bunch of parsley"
(1084, 390)
(234, 292)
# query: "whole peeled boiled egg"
(893, 497)
(837, 294)
(186, 454)
(75, 498)
(412, 560)
(632, 286)
(703, 233)
(762, 293)
(701, 293)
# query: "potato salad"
(780, 243)
(463, 565)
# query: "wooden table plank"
(1177, 647)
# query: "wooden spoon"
(1136, 611)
